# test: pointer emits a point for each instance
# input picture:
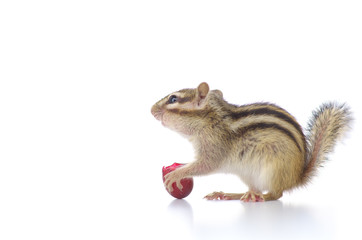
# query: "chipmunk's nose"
(156, 112)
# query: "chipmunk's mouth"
(157, 112)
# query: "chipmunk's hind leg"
(223, 196)
(270, 196)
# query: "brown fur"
(261, 143)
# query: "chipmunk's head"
(184, 111)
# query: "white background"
(81, 155)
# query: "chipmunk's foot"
(223, 196)
(252, 196)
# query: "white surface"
(81, 155)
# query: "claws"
(252, 197)
(216, 196)
(172, 178)
(223, 196)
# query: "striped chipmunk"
(261, 143)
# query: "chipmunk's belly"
(254, 172)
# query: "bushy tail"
(328, 124)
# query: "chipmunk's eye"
(172, 99)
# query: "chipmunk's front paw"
(173, 177)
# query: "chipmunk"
(261, 143)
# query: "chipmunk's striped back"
(265, 116)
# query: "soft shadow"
(286, 221)
(270, 220)
(181, 213)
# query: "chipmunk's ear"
(202, 91)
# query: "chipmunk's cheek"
(170, 122)
(165, 119)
